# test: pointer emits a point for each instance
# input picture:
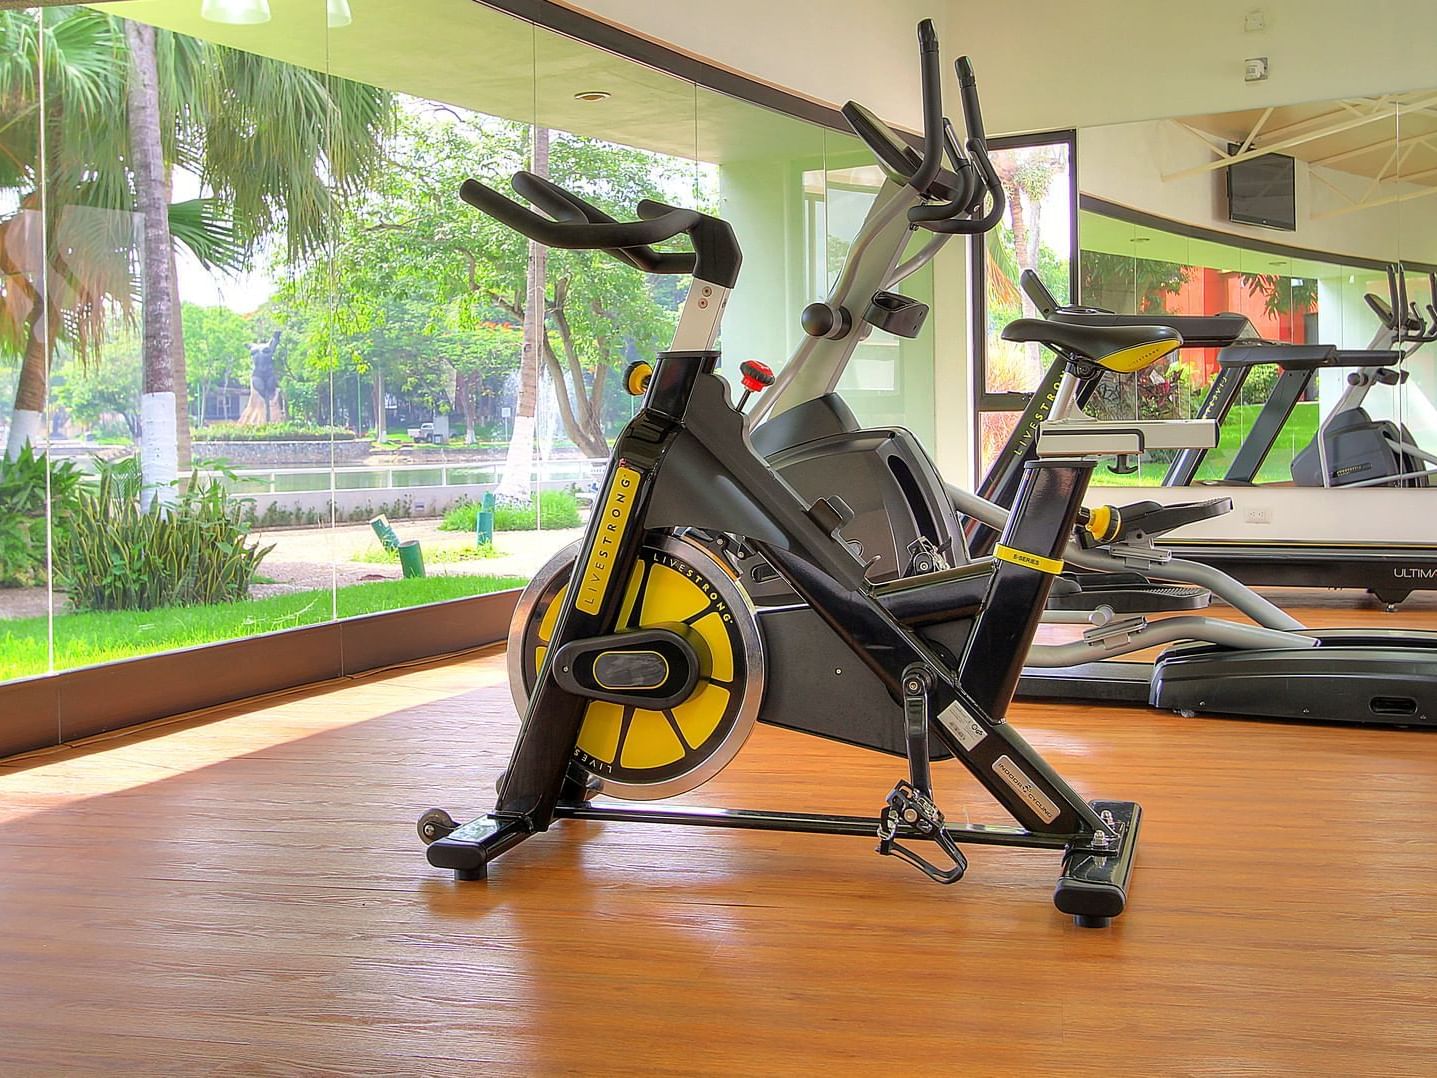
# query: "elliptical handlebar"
(932, 108)
(978, 179)
(968, 92)
(574, 224)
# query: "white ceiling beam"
(1247, 142)
(1339, 192)
(1413, 177)
(1369, 107)
(1228, 160)
(1348, 155)
(1210, 141)
(1389, 200)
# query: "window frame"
(985, 401)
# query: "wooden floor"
(244, 891)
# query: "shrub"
(118, 556)
(24, 502)
(271, 432)
(1260, 382)
(558, 509)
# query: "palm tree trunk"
(377, 388)
(159, 448)
(515, 484)
(27, 422)
(183, 454)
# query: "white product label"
(962, 725)
(1026, 788)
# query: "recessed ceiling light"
(235, 12)
(592, 95)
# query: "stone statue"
(266, 405)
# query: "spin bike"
(653, 664)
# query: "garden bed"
(97, 637)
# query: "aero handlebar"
(565, 206)
(572, 234)
(576, 225)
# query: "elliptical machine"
(651, 663)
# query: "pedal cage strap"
(908, 807)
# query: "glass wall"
(1169, 225)
(1037, 233)
(258, 360)
(1137, 269)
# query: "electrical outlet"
(1255, 69)
(1255, 22)
(1258, 516)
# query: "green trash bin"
(411, 558)
(484, 521)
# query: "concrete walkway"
(318, 557)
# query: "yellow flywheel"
(638, 753)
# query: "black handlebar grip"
(932, 108)
(927, 36)
(968, 91)
(572, 235)
(564, 205)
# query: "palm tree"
(276, 145)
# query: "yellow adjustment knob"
(1104, 523)
(636, 378)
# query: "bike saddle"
(1118, 348)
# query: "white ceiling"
(467, 55)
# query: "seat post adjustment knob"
(755, 377)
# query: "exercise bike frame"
(685, 461)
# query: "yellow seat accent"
(599, 735)
(715, 635)
(1127, 360)
(698, 716)
(539, 654)
(651, 742)
(670, 596)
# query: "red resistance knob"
(756, 376)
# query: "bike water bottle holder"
(896, 314)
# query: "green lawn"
(96, 637)
(1298, 433)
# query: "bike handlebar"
(565, 206)
(574, 224)
(571, 234)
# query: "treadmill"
(1390, 572)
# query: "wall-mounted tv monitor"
(1263, 191)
